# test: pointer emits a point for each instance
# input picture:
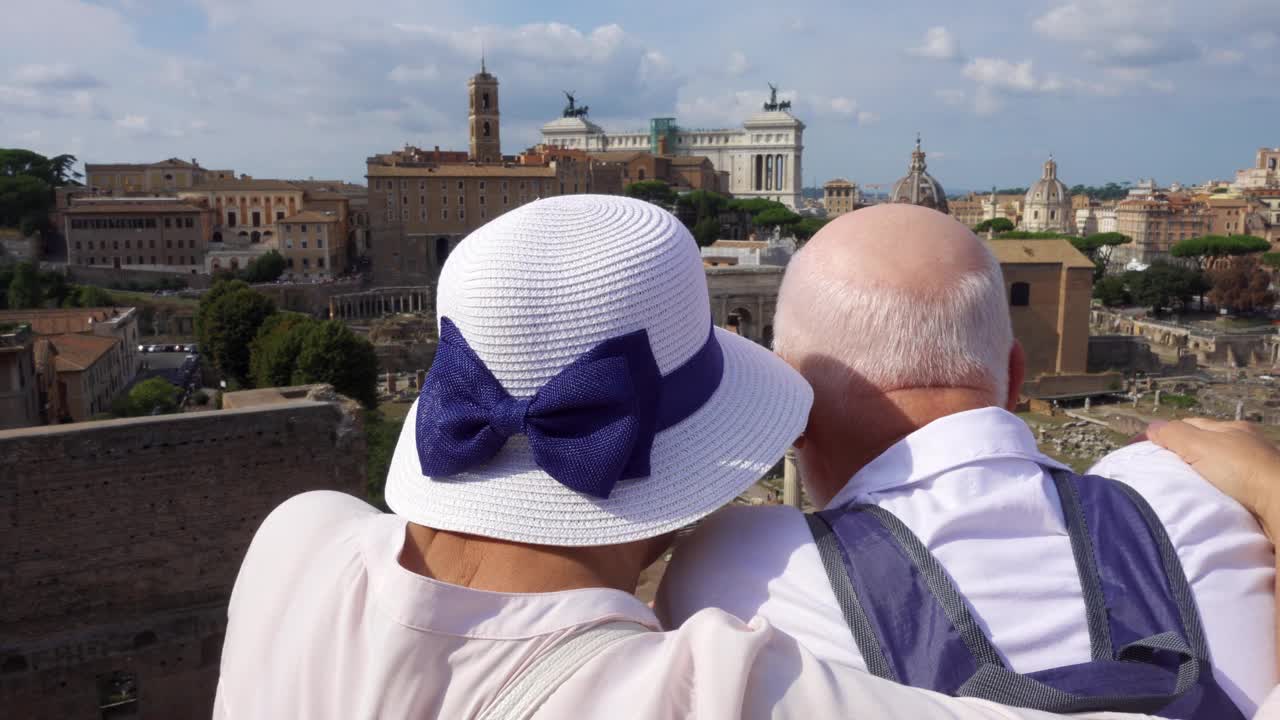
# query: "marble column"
(792, 493)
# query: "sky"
(1178, 90)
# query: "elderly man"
(952, 554)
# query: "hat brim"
(696, 466)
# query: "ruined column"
(1158, 394)
(1088, 403)
(391, 382)
(791, 492)
(1239, 410)
(420, 377)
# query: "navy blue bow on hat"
(589, 426)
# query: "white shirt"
(325, 623)
(972, 487)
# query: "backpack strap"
(529, 689)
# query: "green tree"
(655, 191)
(24, 289)
(1271, 259)
(265, 268)
(273, 355)
(1112, 290)
(998, 225)
(1164, 285)
(808, 227)
(776, 217)
(1212, 247)
(755, 206)
(1242, 287)
(1030, 235)
(706, 231)
(88, 296)
(331, 353)
(229, 325)
(25, 202)
(223, 285)
(1098, 247)
(155, 396)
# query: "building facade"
(1049, 285)
(19, 382)
(147, 233)
(482, 118)
(1265, 172)
(1095, 218)
(166, 176)
(1047, 205)
(918, 187)
(762, 159)
(314, 246)
(1155, 224)
(840, 196)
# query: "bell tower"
(482, 92)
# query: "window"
(306, 262)
(504, 200)
(231, 218)
(461, 200)
(404, 200)
(504, 186)
(126, 244)
(128, 260)
(482, 200)
(288, 243)
(191, 243)
(422, 199)
(153, 259)
(444, 213)
(444, 186)
(167, 222)
(1020, 294)
(481, 186)
(459, 186)
(152, 244)
(304, 229)
(483, 214)
(257, 218)
(77, 244)
(319, 242)
(115, 244)
(279, 215)
(422, 184)
(303, 242)
(404, 214)
(319, 262)
(462, 213)
(90, 244)
(289, 261)
(486, 128)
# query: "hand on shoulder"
(1235, 456)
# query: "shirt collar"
(946, 443)
(426, 604)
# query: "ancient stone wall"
(120, 542)
(107, 276)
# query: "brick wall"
(120, 542)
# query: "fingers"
(1218, 425)
(1184, 438)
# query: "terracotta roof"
(1038, 252)
(310, 216)
(114, 208)
(447, 171)
(243, 184)
(56, 321)
(78, 351)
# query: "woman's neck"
(484, 563)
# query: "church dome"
(1047, 204)
(919, 187)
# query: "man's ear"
(1017, 373)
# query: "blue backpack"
(913, 627)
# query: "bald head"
(890, 246)
(896, 296)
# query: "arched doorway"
(235, 264)
(739, 321)
(217, 237)
(255, 237)
(442, 251)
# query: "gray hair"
(954, 332)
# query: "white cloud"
(413, 75)
(951, 96)
(866, 117)
(134, 123)
(59, 75)
(842, 106)
(1122, 33)
(1224, 57)
(30, 137)
(1264, 40)
(986, 101)
(1001, 73)
(737, 64)
(938, 45)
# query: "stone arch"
(442, 251)
(217, 237)
(740, 322)
(255, 237)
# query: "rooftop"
(79, 351)
(246, 184)
(1038, 252)
(66, 320)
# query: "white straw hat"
(536, 289)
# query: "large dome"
(919, 187)
(1047, 204)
